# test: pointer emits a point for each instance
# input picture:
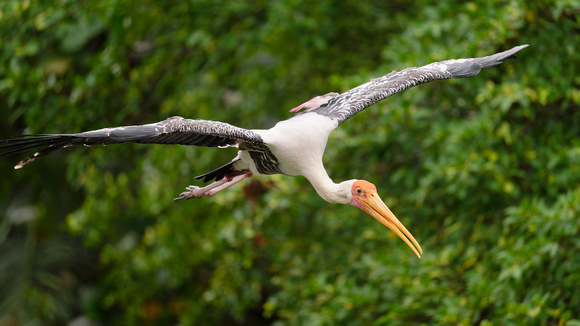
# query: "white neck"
(331, 192)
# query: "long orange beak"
(375, 207)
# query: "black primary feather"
(349, 103)
(175, 130)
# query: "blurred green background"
(483, 171)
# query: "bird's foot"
(214, 188)
(193, 192)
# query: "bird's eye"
(358, 191)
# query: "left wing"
(174, 130)
(351, 102)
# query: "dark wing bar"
(349, 103)
(175, 130)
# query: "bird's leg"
(229, 180)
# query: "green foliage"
(483, 171)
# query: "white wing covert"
(351, 102)
(174, 130)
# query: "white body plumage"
(292, 147)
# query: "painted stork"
(292, 147)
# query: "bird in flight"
(292, 147)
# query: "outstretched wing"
(351, 102)
(175, 130)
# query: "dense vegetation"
(485, 172)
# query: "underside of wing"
(349, 103)
(175, 130)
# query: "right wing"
(342, 107)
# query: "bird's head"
(365, 197)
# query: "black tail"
(218, 173)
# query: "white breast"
(299, 142)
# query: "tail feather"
(218, 173)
